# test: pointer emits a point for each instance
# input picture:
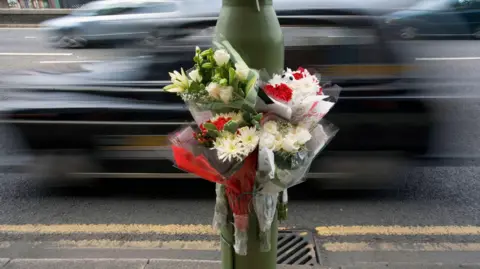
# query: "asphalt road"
(444, 197)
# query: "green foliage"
(231, 126)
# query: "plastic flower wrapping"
(254, 135)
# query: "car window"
(115, 10)
(158, 7)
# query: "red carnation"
(320, 91)
(220, 122)
(301, 69)
(297, 76)
(280, 92)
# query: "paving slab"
(76, 264)
(411, 266)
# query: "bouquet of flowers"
(293, 132)
(220, 92)
(255, 136)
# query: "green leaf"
(210, 126)
(232, 75)
(213, 134)
(231, 126)
(250, 84)
(207, 65)
(247, 117)
(249, 109)
(258, 117)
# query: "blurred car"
(437, 18)
(149, 21)
(93, 120)
(114, 20)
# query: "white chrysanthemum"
(237, 117)
(304, 86)
(271, 127)
(276, 79)
(228, 149)
(248, 136)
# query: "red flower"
(301, 69)
(280, 92)
(220, 122)
(298, 76)
(320, 91)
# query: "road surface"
(433, 217)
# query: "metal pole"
(253, 29)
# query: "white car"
(112, 20)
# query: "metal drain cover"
(296, 248)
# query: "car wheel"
(58, 169)
(408, 33)
(70, 39)
(476, 33)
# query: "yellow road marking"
(364, 247)
(176, 244)
(397, 230)
(171, 229)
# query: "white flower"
(237, 117)
(241, 70)
(289, 143)
(180, 82)
(304, 86)
(249, 138)
(228, 149)
(221, 57)
(268, 141)
(302, 135)
(195, 75)
(271, 127)
(278, 142)
(276, 79)
(226, 94)
(213, 90)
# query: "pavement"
(431, 220)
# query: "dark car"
(110, 119)
(437, 18)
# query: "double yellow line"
(201, 229)
(324, 232)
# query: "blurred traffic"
(109, 118)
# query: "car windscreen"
(434, 5)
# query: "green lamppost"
(253, 29)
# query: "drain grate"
(296, 248)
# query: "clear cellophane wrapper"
(275, 175)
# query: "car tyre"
(70, 39)
(408, 33)
(476, 33)
(58, 169)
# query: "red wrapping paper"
(238, 187)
